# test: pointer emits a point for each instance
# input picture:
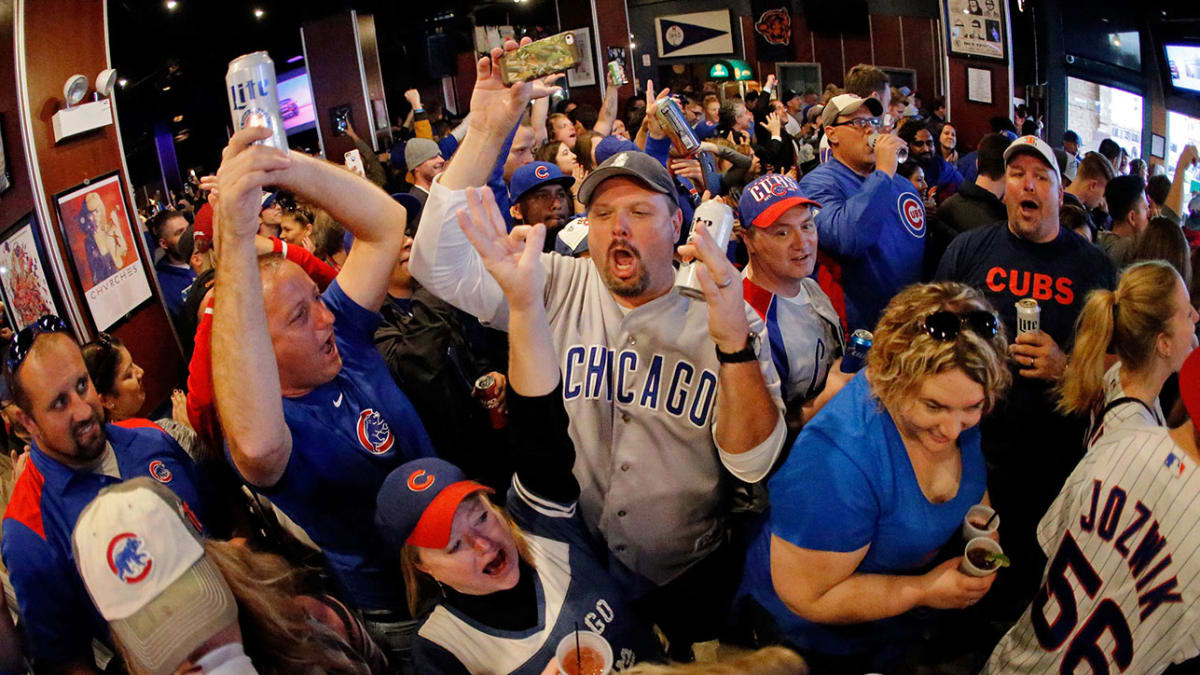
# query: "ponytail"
(1126, 323)
(1083, 383)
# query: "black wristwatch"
(747, 353)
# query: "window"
(1182, 130)
(1096, 111)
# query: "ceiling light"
(258, 13)
(167, 88)
(177, 118)
(123, 82)
(172, 4)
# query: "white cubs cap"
(1032, 145)
(141, 556)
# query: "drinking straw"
(989, 520)
(578, 655)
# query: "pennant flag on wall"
(694, 34)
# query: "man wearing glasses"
(1030, 448)
(872, 224)
(73, 455)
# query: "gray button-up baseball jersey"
(640, 387)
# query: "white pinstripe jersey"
(1120, 591)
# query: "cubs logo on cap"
(533, 176)
(374, 434)
(768, 197)
(420, 480)
(417, 502)
(127, 558)
(160, 472)
(912, 214)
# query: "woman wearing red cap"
(507, 587)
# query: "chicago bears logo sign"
(775, 26)
(160, 472)
(420, 480)
(374, 434)
(912, 214)
(541, 172)
(127, 559)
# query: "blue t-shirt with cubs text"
(874, 227)
(1057, 274)
(347, 435)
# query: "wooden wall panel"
(919, 54)
(18, 200)
(336, 79)
(857, 49)
(614, 31)
(802, 40)
(971, 119)
(829, 55)
(146, 331)
(885, 35)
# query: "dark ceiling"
(174, 60)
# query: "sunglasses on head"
(945, 325)
(24, 340)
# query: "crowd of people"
(446, 414)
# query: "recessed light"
(258, 13)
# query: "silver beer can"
(1029, 316)
(716, 217)
(253, 99)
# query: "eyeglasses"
(24, 340)
(863, 123)
(945, 325)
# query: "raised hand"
(413, 97)
(512, 258)
(496, 108)
(545, 86)
(720, 282)
(773, 124)
(245, 169)
(653, 128)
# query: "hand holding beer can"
(616, 74)
(856, 351)
(716, 217)
(488, 390)
(1028, 316)
(901, 154)
(253, 97)
(682, 136)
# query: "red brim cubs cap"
(768, 197)
(141, 557)
(1189, 385)
(417, 502)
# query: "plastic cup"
(587, 641)
(985, 543)
(980, 513)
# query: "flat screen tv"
(296, 102)
(1183, 66)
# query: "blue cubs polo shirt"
(347, 435)
(59, 617)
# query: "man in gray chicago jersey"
(662, 391)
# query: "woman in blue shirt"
(878, 482)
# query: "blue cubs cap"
(268, 200)
(417, 502)
(768, 197)
(533, 176)
(611, 145)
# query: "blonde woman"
(878, 482)
(1150, 325)
(107, 235)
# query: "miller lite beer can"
(682, 136)
(253, 99)
(856, 350)
(488, 390)
(716, 217)
(1029, 316)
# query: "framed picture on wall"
(23, 278)
(97, 228)
(976, 28)
(901, 77)
(5, 172)
(799, 77)
(583, 75)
